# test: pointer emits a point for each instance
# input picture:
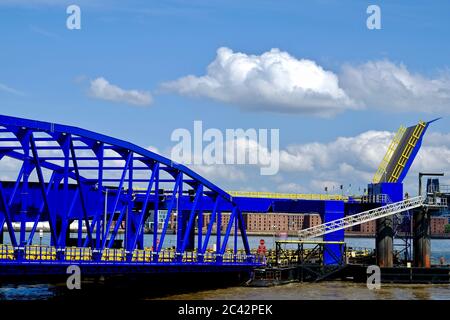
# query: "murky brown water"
(295, 291)
(324, 291)
(334, 290)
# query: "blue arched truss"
(67, 176)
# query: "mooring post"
(384, 241)
(384, 238)
(421, 238)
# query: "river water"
(294, 291)
(332, 290)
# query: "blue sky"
(46, 70)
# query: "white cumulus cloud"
(390, 86)
(363, 151)
(101, 88)
(223, 173)
(306, 167)
(354, 160)
(274, 81)
(291, 187)
(279, 82)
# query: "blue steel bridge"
(65, 175)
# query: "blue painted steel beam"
(80, 189)
(144, 207)
(116, 202)
(210, 226)
(61, 202)
(241, 222)
(52, 127)
(7, 216)
(414, 153)
(41, 209)
(47, 205)
(169, 212)
(198, 195)
(228, 231)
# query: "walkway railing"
(47, 253)
(376, 198)
(362, 217)
(409, 147)
(381, 172)
(294, 196)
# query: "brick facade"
(291, 222)
(438, 225)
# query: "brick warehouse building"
(438, 225)
(364, 229)
(270, 223)
(290, 223)
(264, 223)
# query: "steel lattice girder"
(79, 172)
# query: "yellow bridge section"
(407, 152)
(294, 196)
(388, 156)
(380, 175)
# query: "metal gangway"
(359, 218)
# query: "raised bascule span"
(393, 168)
(401, 153)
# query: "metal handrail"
(294, 196)
(436, 201)
(376, 198)
(409, 147)
(387, 157)
(361, 217)
(43, 253)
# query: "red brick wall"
(438, 225)
(368, 227)
(291, 222)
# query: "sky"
(336, 90)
